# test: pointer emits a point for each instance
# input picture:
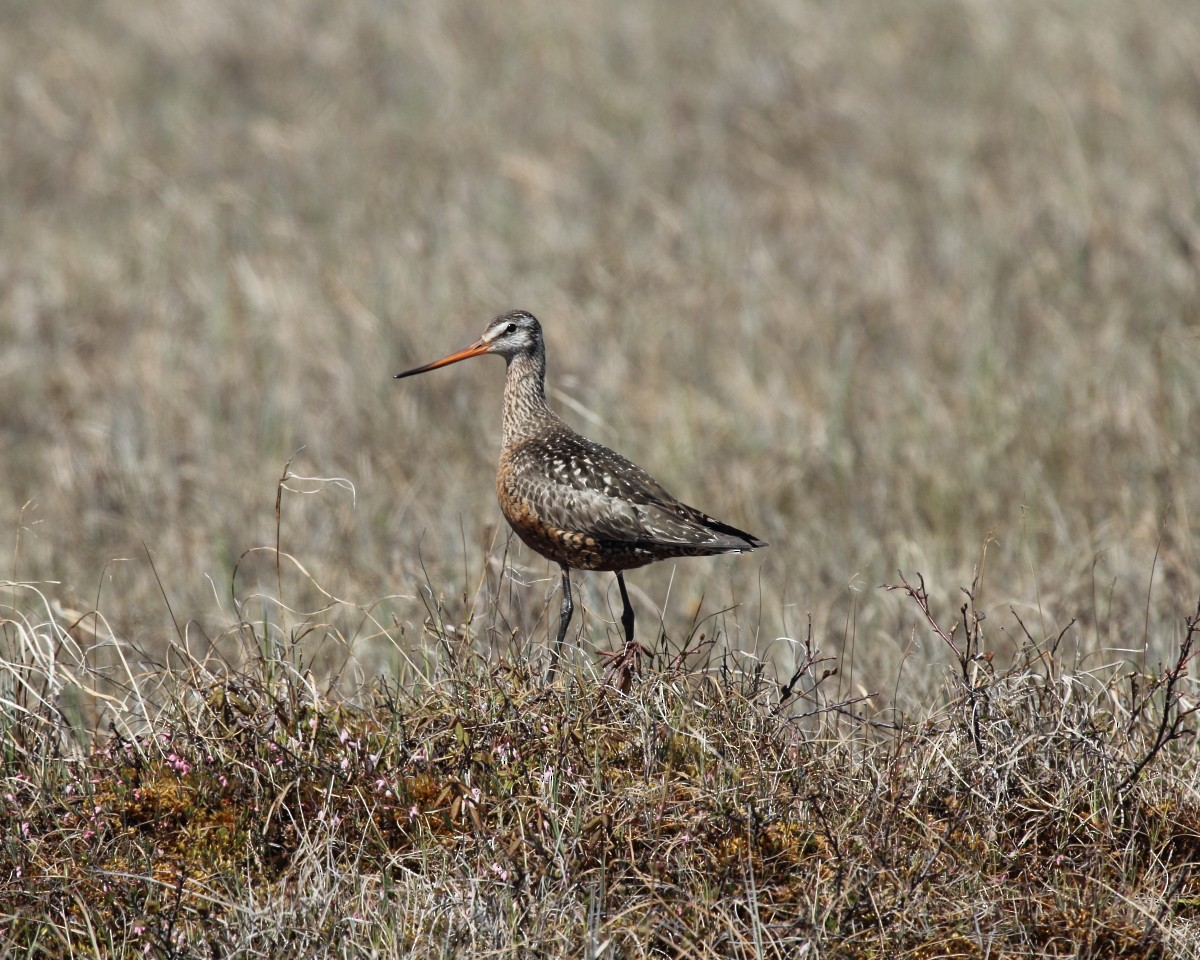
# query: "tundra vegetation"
(909, 289)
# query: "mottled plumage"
(572, 500)
(582, 505)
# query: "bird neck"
(526, 413)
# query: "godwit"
(574, 501)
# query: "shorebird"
(575, 502)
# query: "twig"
(1170, 724)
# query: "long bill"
(474, 350)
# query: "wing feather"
(582, 486)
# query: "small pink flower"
(179, 764)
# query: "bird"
(572, 500)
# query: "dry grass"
(1034, 811)
(893, 285)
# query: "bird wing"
(585, 487)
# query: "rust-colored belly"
(570, 547)
(577, 549)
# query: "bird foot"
(623, 664)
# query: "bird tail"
(738, 539)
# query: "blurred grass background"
(892, 285)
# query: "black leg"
(628, 661)
(565, 618)
(627, 612)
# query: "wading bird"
(574, 501)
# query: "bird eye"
(511, 328)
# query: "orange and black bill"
(474, 350)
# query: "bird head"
(510, 335)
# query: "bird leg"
(626, 662)
(627, 613)
(565, 618)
